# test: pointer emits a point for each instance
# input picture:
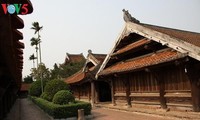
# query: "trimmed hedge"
(62, 111)
(35, 88)
(52, 87)
(63, 97)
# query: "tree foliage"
(41, 71)
(64, 71)
(35, 89)
(28, 79)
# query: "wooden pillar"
(113, 93)
(161, 86)
(96, 92)
(79, 93)
(89, 92)
(193, 73)
(92, 93)
(162, 93)
(128, 99)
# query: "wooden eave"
(174, 43)
(75, 78)
(17, 35)
(19, 51)
(17, 22)
(119, 38)
(92, 59)
(20, 45)
(20, 57)
(167, 40)
(79, 77)
(132, 46)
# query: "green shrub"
(52, 87)
(62, 111)
(45, 96)
(63, 97)
(35, 88)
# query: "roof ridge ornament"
(128, 18)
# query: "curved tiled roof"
(77, 77)
(190, 37)
(143, 61)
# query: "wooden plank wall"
(82, 92)
(145, 88)
(177, 87)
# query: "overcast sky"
(74, 26)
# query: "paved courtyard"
(24, 109)
(107, 114)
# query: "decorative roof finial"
(89, 51)
(128, 18)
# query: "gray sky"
(78, 25)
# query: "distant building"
(82, 83)
(23, 93)
(11, 54)
(70, 58)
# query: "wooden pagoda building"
(155, 67)
(82, 83)
(70, 58)
(11, 54)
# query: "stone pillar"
(81, 114)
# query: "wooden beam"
(175, 43)
(119, 38)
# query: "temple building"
(154, 67)
(83, 83)
(149, 66)
(11, 52)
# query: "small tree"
(35, 89)
(52, 87)
(35, 42)
(32, 57)
(43, 71)
(28, 79)
(63, 97)
(55, 72)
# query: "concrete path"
(108, 114)
(24, 109)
